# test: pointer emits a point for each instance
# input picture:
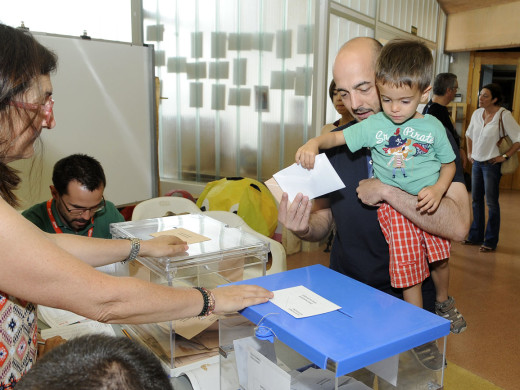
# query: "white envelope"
(312, 183)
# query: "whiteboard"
(104, 107)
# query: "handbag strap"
(501, 131)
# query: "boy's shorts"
(410, 248)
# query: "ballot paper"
(263, 374)
(184, 234)
(316, 379)
(80, 329)
(315, 182)
(56, 317)
(301, 302)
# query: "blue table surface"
(369, 327)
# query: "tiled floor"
(486, 287)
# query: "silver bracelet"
(136, 246)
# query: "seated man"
(77, 205)
(97, 362)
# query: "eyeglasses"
(80, 211)
(45, 108)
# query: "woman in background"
(335, 98)
(57, 269)
(482, 136)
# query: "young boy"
(412, 152)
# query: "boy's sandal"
(485, 248)
(468, 242)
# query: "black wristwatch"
(505, 156)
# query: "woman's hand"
(162, 246)
(234, 298)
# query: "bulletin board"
(104, 107)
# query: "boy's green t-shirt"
(409, 155)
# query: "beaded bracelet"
(209, 301)
(134, 251)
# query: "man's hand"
(370, 191)
(429, 199)
(296, 216)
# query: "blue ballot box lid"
(369, 327)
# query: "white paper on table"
(318, 181)
(263, 374)
(301, 302)
(204, 377)
(57, 317)
(79, 329)
(241, 347)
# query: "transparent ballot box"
(365, 344)
(217, 255)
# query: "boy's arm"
(307, 153)
(430, 197)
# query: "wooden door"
(503, 68)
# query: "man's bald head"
(354, 74)
(361, 46)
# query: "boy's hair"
(405, 62)
(442, 82)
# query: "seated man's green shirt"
(38, 215)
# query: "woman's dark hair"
(22, 60)
(332, 87)
(496, 92)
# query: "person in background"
(482, 136)
(77, 205)
(445, 87)
(359, 249)
(99, 362)
(56, 270)
(346, 117)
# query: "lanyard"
(57, 229)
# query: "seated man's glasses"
(46, 108)
(80, 211)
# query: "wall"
(459, 66)
(484, 28)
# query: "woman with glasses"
(57, 269)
